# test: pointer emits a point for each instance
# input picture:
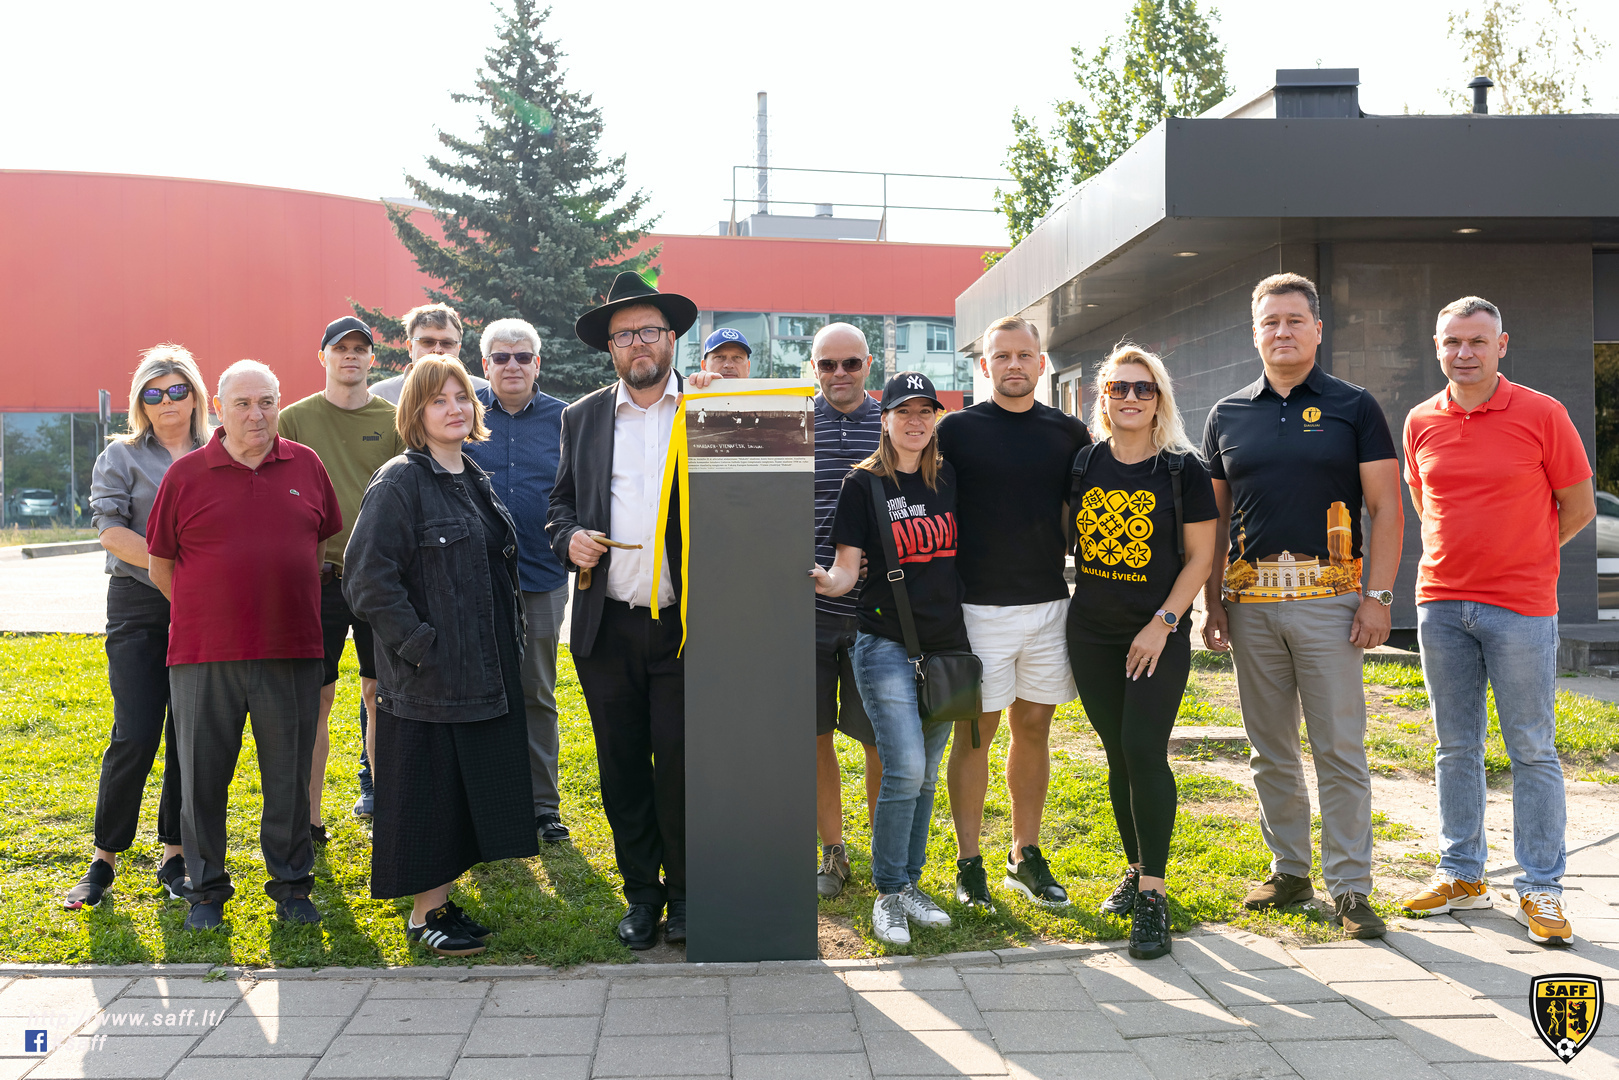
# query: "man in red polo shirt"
(1501, 481)
(235, 538)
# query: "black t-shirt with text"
(1126, 564)
(923, 521)
(1012, 469)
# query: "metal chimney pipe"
(764, 156)
(1481, 94)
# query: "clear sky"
(346, 96)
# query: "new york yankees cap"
(725, 335)
(907, 385)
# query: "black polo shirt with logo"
(1289, 459)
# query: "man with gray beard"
(625, 649)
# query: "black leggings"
(1134, 719)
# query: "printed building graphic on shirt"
(1114, 527)
(1287, 576)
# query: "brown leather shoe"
(1357, 916)
(1279, 891)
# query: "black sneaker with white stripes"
(443, 934)
(468, 923)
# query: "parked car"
(36, 503)
(1607, 525)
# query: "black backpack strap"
(896, 573)
(1076, 479)
(1177, 462)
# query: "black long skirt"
(449, 796)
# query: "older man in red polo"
(235, 538)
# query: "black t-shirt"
(924, 527)
(1289, 459)
(1012, 469)
(1127, 564)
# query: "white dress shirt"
(640, 444)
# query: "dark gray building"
(1392, 216)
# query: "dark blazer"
(583, 499)
(417, 568)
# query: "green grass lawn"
(14, 535)
(559, 908)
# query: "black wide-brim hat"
(628, 291)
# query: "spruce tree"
(535, 224)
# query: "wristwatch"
(1384, 597)
(1170, 619)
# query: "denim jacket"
(415, 569)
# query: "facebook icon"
(33, 1041)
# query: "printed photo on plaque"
(763, 433)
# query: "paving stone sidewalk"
(1446, 997)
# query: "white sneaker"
(888, 920)
(920, 907)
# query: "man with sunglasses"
(1012, 457)
(848, 425)
(352, 431)
(430, 330)
(520, 456)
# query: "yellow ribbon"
(674, 469)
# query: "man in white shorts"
(1012, 457)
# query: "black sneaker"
(552, 831)
(468, 923)
(318, 835)
(1149, 926)
(298, 910)
(443, 934)
(172, 875)
(972, 885)
(205, 916)
(91, 887)
(1032, 877)
(1124, 897)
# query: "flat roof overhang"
(1227, 189)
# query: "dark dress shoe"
(674, 927)
(639, 927)
(551, 829)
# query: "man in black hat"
(626, 639)
(352, 432)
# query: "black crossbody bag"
(949, 681)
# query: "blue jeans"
(910, 752)
(1464, 645)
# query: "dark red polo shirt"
(246, 548)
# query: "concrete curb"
(69, 547)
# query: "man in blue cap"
(727, 354)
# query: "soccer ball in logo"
(1566, 1010)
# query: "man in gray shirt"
(430, 329)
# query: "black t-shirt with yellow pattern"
(1126, 563)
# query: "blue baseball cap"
(726, 336)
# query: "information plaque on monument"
(750, 674)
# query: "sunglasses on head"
(178, 392)
(523, 358)
(1145, 391)
(851, 364)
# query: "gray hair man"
(235, 537)
(521, 456)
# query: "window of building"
(902, 337)
(939, 336)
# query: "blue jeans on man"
(910, 751)
(1466, 646)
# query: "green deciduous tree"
(535, 223)
(1168, 62)
(1535, 59)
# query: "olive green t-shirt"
(352, 443)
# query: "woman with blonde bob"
(168, 418)
(1144, 517)
(432, 566)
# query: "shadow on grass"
(114, 936)
(567, 918)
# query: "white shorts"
(1024, 650)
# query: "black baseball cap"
(348, 324)
(907, 385)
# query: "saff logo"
(34, 1041)
(914, 382)
(1566, 1010)
(1312, 414)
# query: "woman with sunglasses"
(1127, 644)
(919, 491)
(167, 421)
